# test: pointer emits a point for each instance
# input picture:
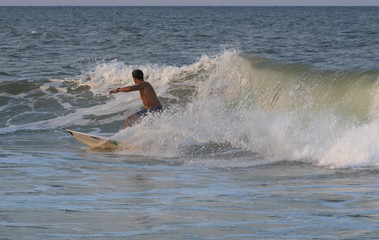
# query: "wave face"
(236, 104)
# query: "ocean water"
(270, 128)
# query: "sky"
(189, 2)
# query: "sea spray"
(294, 113)
(230, 102)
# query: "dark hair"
(137, 74)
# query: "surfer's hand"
(113, 91)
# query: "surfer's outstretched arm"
(127, 89)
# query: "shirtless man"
(148, 96)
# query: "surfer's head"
(138, 74)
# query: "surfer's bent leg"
(131, 120)
(139, 115)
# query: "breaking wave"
(232, 104)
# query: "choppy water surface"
(269, 130)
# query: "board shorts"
(153, 110)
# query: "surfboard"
(95, 141)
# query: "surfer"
(148, 96)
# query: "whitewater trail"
(273, 110)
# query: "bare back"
(148, 96)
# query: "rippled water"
(269, 130)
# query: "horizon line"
(189, 5)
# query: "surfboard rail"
(95, 141)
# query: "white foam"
(358, 147)
(219, 113)
(222, 112)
